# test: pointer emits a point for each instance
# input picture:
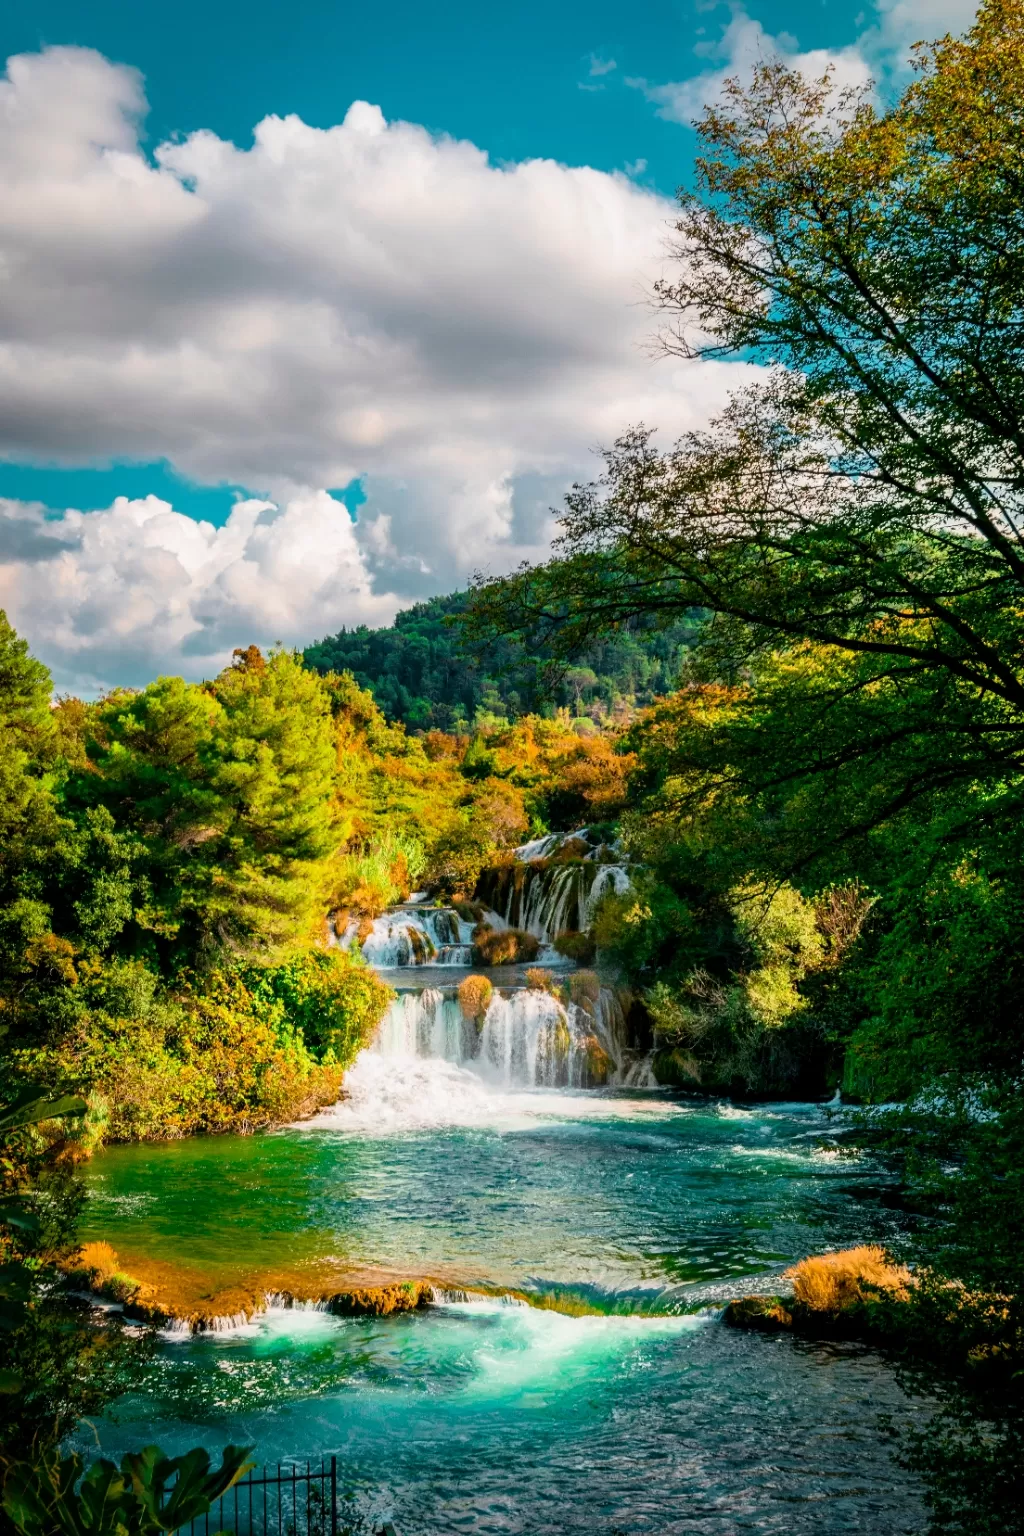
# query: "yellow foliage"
(98, 1261)
(830, 1282)
(505, 946)
(475, 995)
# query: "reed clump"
(585, 991)
(98, 1261)
(96, 1267)
(833, 1282)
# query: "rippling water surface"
(647, 1416)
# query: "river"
(622, 1405)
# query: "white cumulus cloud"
(127, 592)
(743, 44)
(881, 52)
(365, 300)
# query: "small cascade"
(640, 1073)
(526, 1040)
(555, 883)
(427, 1023)
(427, 1054)
(412, 935)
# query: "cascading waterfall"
(427, 1049)
(412, 935)
(526, 1040)
(555, 883)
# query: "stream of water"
(647, 1416)
(468, 1152)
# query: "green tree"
(867, 495)
(852, 526)
(28, 810)
(227, 792)
(422, 671)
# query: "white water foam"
(388, 1094)
(526, 1040)
(532, 1347)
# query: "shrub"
(333, 999)
(381, 874)
(576, 946)
(830, 1282)
(584, 988)
(507, 946)
(475, 995)
(539, 980)
(94, 1264)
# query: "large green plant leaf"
(30, 1107)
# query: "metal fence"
(296, 1500)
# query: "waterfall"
(555, 883)
(425, 1051)
(526, 1040)
(412, 935)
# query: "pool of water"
(645, 1415)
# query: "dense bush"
(230, 1049)
(503, 946)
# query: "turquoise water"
(649, 1416)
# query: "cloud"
(880, 52)
(743, 44)
(599, 66)
(636, 167)
(124, 593)
(365, 300)
(901, 23)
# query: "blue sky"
(221, 329)
(505, 77)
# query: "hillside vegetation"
(423, 672)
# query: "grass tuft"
(831, 1282)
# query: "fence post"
(334, 1496)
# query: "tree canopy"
(422, 672)
(865, 493)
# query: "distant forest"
(423, 672)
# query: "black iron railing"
(296, 1500)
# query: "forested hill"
(420, 671)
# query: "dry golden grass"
(828, 1282)
(98, 1260)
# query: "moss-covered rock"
(597, 1064)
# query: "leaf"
(14, 1214)
(10, 1381)
(33, 1110)
(12, 1315)
(195, 1487)
(102, 1499)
